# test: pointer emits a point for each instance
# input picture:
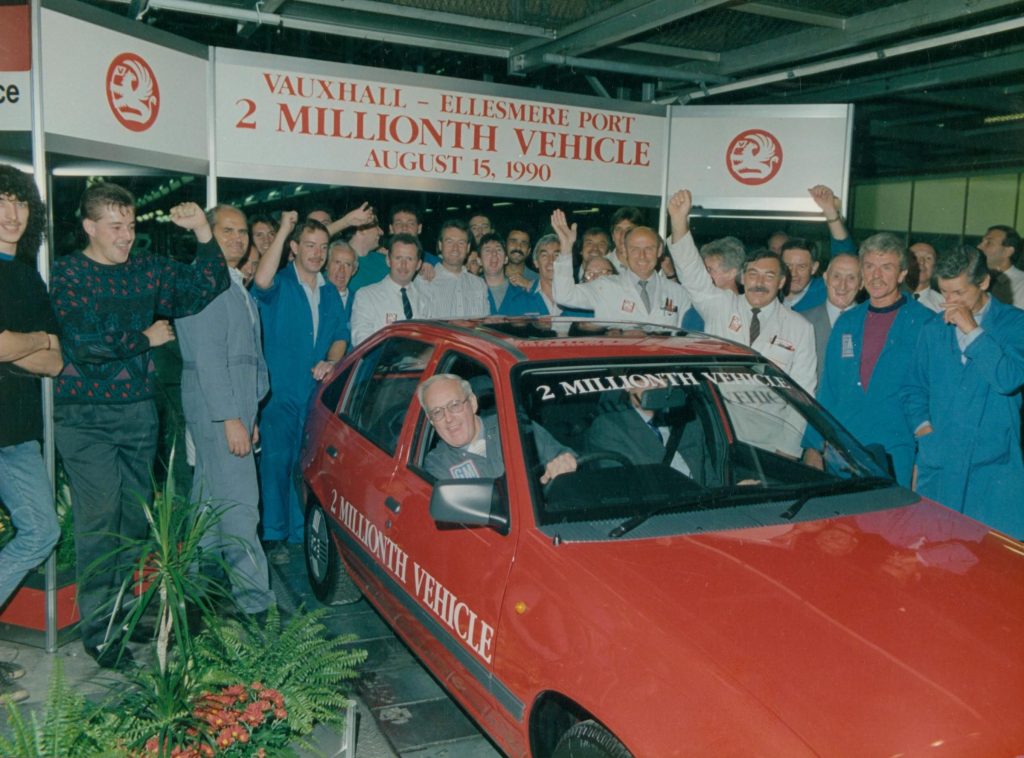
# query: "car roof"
(552, 338)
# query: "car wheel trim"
(318, 545)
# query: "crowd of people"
(918, 351)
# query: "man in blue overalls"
(304, 333)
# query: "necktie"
(644, 297)
(657, 432)
(755, 325)
(406, 305)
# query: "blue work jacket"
(288, 343)
(972, 461)
(873, 414)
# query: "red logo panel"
(133, 92)
(754, 157)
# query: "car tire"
(588, 739)
(328, 579)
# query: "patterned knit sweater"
(103, 311)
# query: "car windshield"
(688, 446)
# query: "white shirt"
(379, 304)
(834, 311)
(313, 298)
(786, 338)
(462, 295)
(617, 298)
(930, 299)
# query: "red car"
(691, 587)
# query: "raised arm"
(271, 262)
(825, 199)
(356, 217)
(187, 289)
(564, 289)
(690, 270)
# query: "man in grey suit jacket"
(643, 436)
(842, 283)
(224, 377)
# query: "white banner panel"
(759, 158)
(311, 120)
(108, 87)
(15, 63)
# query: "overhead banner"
(759, 158)
(15, 65)
(135, 100)
(304, 120)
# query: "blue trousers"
(25, 491)
(281, 426)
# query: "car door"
(457, 574)
(360, 449)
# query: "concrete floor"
(402, 711)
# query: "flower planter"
(24, 617)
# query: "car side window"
(382, 389)
(332, 393)
(479, 379)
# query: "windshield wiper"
(741, 494)
(840, 487)
(700, 501)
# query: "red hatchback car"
(692, 587)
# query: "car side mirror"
(470, 502)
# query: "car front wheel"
(327, 577)
(588, 739)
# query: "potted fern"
(234, 688)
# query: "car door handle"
(393, 505)
(332, 451)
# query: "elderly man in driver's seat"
(470, 447)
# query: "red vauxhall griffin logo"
(132, 92)
(754, 157)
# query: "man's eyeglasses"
(455, 406)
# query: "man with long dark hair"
(29, 348)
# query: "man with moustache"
(223, 380)
(595, 244)
(962, 398)
(107, 302)
(842, 282)
(756, 317)
(868, 355)
(517, 247)
(304, 334)
(504, 298)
